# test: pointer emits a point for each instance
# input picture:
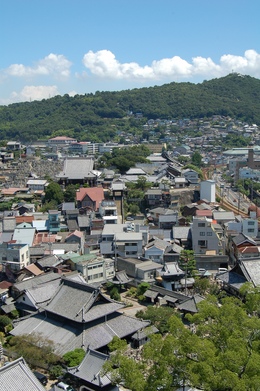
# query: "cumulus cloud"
(104, 64)
(53, 64)
(34, 93)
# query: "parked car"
(64, 386)
(41, 377)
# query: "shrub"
(55, 371)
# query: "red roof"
(203, 212)
(24, 219)
(96, 194)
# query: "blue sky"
(57, 47)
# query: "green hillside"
(103, 115)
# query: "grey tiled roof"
(43, 293)
(36, 281)
(120, 326)
(63, 334)
(67, 337)
(83, 221)
(50, 261)
(17, 376)
(251, 271)
(71, 168)
(232, 279)
(72, 300)
(90, 368)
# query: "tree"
(117, 344)
(220, 352)
(196, 159)
(36, 349)
(54, 193)
(70, 193)
(4, 322)
(133, 209)
(187, 262)
(74, 357)
(159, 317)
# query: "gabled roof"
(242, 238)
(75, 301)
(17, 376)
(36, 281)
(251, 270)
(96, 194)
(77, 233)
(158, 243)
(232, 279)
(77, 168)
(190, 305)
(32, 268)
(68, 336)
(91, 367)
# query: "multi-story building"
(108, 212)
(207, 235)
(15, 256)
(54, 221)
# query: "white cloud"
(53, 64)
(29, 93)
(104, 64)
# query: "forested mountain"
(103, 115)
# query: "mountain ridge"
(100, 116)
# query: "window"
(251, 223)
(209, 233)
(202, 233)
(251, 230)
(202, 243)
(201, 224)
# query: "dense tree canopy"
(103, 115)
(220, 351)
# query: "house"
(155, 249)
(153, 197)
(180, 182)
(94, 269)
(247, 226)
(23, 208)
(108, 212)
(223, 217)
(37, 184)
(182, 236)
(15, 256)
(163, 217)
(140, 270)
(77, 237)
(242, 246)
(79, 316)
(17, 375)
(207, 235)
(61, 140)
(170, 275)
(89, 199)
(121, 240)
(191, 176)
(54, 221)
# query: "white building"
(207, 236)
(16, 256)
(108, 212)
(208, 190)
